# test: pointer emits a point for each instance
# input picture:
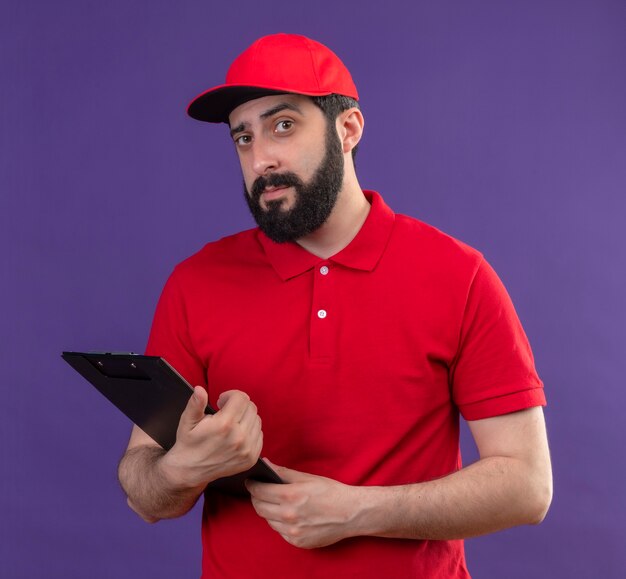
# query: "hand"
(209, 447)
(310, 511)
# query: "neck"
(341, 227)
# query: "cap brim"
(216, 104)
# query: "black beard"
(314, 201)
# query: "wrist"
(175, 475)
(377, 510)
(363, 508)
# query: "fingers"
(210, 446)
(289, 475)
(313, 512)
(234, 403)
(194, 411)
(238, 411)
(277, 493)
(234, 406)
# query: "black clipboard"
(153, 395)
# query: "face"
(292, 163)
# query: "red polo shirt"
(359, 365)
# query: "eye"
(243, 140)
(283, 126)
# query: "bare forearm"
(163, 484)
(510, 485)
(151, 494)
(493, 494)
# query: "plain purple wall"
(502, 123)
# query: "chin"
(285, 204)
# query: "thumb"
(287, 474)
(194, 411)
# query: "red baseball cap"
(275, 64)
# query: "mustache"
(274, 180)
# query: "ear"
(350, 128)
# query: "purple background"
(502, 123)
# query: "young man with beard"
(359, 336)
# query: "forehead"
(260, 108)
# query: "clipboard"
(153, 395)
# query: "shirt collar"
(363, 252)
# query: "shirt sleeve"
(494, 371)
(169, 336)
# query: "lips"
(266, 186)
(271, 193)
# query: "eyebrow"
(267, 114)
(240, 127)
(281, 107)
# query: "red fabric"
(417, 327)
(278, 63)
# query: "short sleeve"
(169, 336)
(493, 372)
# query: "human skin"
(510, 484)
(162, 484)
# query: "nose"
(263, 157)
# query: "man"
(358, 336)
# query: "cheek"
(248, 183)
(247, 175)
(309, 164)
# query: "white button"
(324, 270)
(321, 314)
